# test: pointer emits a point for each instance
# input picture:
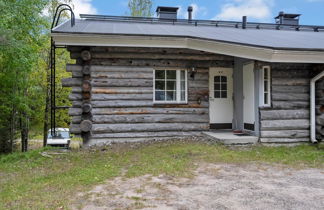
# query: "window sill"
(169, 102)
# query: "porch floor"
(227, 137)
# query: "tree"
(21, 26)
(140, 8)
(24, 67)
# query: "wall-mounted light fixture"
(192, 72)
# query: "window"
(220, 87)
(265, 88)
(170, 86)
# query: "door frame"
(220, 125)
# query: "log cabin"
(157, 78)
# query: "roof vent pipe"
(190, 9)
(244, 21)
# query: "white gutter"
(312, 106)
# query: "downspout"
(312, 106)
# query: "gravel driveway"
(214, 186)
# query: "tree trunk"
(24, 132)
(12, 129)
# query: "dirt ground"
(213, 186)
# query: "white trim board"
(237, 50)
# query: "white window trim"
(262, 104)
(178, 86)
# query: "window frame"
(178, 87)
(221, 90)
(262, 89)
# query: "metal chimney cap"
(190, 9)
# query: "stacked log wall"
(122, 93)
(288, 118)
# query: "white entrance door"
(221, 98)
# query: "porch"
(227, 137)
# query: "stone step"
(228, 138)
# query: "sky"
(256, 10)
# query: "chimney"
(244, 21)
(190, 9)
(287, 19)
(168, 13)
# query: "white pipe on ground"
(312, 106)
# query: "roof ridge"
(213, 23)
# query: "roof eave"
(232, 49)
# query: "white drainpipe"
(312, 106)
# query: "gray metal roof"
(268, 38)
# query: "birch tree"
(140, 8)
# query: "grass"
(29, 180)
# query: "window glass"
(265, 90)
(171, 95)
(171, 75)
(159, 85)
(170, 86)
(220, 87)
(159, 95)
(159, 74)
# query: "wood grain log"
(161, 63)
(77, 74)
(74, 96)
(86, 126)
(122, 75)
(290, 104)
(290, 97)
(283, 140)
(290, 73)
(156, 118)
(86, 86)
(85, 55)
(143, 103)
(120, 69)
(76, 119)
(75, 128)
(73, 67)
(76, 89)
(284, 125)
(75, 111)
(122, 82)
(105, 141)
(285, 134)
(122, 103)
(148, 127)
(146, 134)
(69, 82)
(149, 110)
(290, 89)
(134, 97)
(77, 104)
(290, 81)
(320, 119)
(86, 108)
(284, 114)
(122, 90)
(86, 70)
(319, 109)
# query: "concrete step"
(228, 138)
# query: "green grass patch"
(29, 180)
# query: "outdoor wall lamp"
(192, 72)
